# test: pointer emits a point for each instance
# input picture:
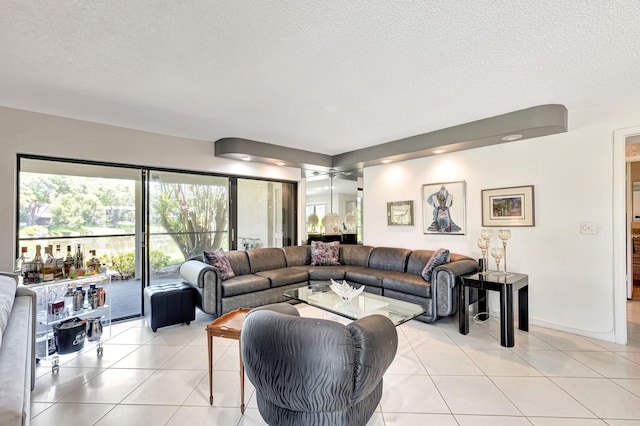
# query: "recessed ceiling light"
(439, 151)
(245, 158)
(385, 161)
(511, 138)
(279, 163)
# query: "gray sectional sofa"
(17, 346)
(263, 275)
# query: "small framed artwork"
(508, 206)
(443, 208)
(400, 213)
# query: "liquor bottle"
(68, 262)
(46, 256)
(58, 262)
(20, 261)
(35, 275)
(78, 260)
(47, 266)
(93, 264)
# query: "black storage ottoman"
(169, 304)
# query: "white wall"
(570, 274)
(31, 133)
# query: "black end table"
(506, 283)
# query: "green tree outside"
(195, 215)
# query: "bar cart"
(70, 311)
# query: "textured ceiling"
(324, 76)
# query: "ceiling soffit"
(530, 123)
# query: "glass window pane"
(188, 214)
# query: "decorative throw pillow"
(439, 257)
(219, 260)
(325, 254)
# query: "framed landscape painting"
(443, 208)
(508, 206)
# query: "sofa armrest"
(443, 285)
(448, 272)
(376, 342)
(27, 292)
(193, 272)
(206, 279)
(9, 274)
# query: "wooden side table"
(229, 326)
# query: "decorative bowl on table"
(344, 290)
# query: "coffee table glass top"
(321, 296)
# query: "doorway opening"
(622, 216)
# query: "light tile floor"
(438, 377)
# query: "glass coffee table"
(321, 296)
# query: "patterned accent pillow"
(439, 257)
(325, 254)
(219, 260)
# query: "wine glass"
(504, 235)
(497, 253)
(483, 245)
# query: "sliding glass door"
(91, 207)
(188, 213)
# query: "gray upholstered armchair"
(310, 371)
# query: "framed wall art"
(400, 213)
(443, 208)
(508, 206)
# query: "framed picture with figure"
(443, 208)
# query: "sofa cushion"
(242, 284)
(297, 255)
(266, 259)
(284, 276)
(407, 283)
(352, 254)
(219, 260)
(326, 273)
(325, 254)
(369, 276)
(389, 258)
(239, 262)
(7, 296)
(440, 257)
